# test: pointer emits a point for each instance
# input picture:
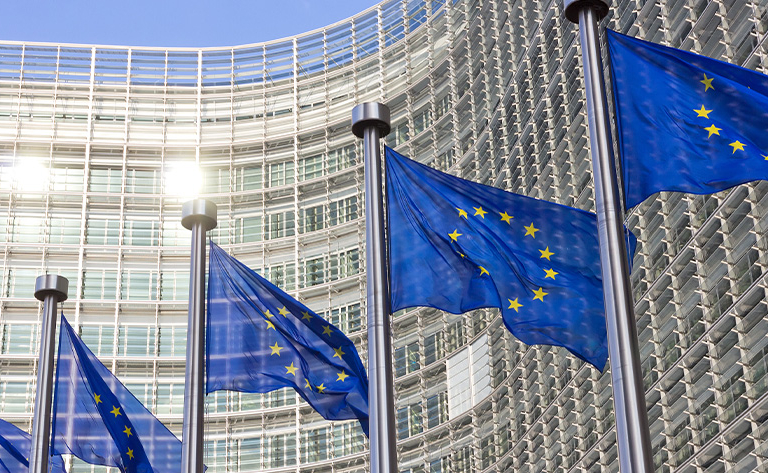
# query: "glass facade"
(488, 90)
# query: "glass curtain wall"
(488, 90)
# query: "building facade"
(488, 90)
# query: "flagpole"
(632, 432)
(199, 216)
(51, 289)
(370, 121)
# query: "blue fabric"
(679, 131)
(99, 421)
(260, 339)
(456, 245)
(15, 447)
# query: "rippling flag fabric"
(15, 445)
(686, 122)
(99, 421)
(456, 245)
(260, 339)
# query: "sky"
(193, 23)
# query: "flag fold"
(686, 122)
(456, 245)
(15, 446)
(99, 421)
(259, 339)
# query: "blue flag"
(456, 245)
(99, 421)
(15, 445)
(686, 122)
(259, 339)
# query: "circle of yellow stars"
(713, 130)
(530, 231)
(116, 412)
(292, 369)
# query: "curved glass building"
(93, 140)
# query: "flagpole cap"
(199, 211)
(573, 7)
(370, 114)
(51, 284)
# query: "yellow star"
(464, 256)
(479, 211)
(291, 369)
(540, 294)
(707, 83)
(545, 253)
(703, 112)
(737, 145)
(766, 157)
(115, 411)
(268, 314)
(551, 273)
(327, 330)
(342, 376)
(506, 218)
(270, 325)
(530, 230)
(462, 212)
(483, 271)
(513, 304)
(713, 130)
(97, 398)
(284, 312)
(127, 431)
(276, 349)
(306, 316)
(307, 385)
(455, 235)
(339, 352)
(321, 388)
(130, 453)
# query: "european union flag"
(99, 421)
(15, 445)
(259, 339)
(456, 245)
(686, 122)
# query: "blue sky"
(169, 22)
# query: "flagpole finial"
(53, 284)
(370, 114)
(572, 8)
(199, 210)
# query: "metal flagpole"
(370, 121)
(199, 216)
(51, 289)
(632, 432)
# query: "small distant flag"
(686, 122)
(456, 245)
(15, 445)
(260, 339)
(98, 420)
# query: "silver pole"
(199, 216)
(370, 121)
(632, 432)
(51, 289)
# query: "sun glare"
(183, 179)
(30, 175)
